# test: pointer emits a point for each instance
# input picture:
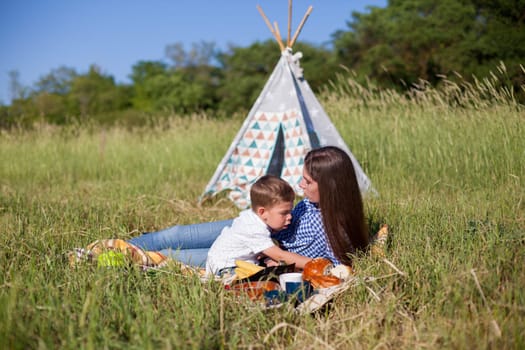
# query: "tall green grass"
(448, 167)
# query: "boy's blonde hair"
(270, 190)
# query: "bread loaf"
(341, 271)
(317, 272)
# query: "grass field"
(451, 187)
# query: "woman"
(330, 187)
(330, 221)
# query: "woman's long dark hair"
(339, 200)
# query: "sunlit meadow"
(448, 166)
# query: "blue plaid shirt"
(305, 235)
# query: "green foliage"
(96, 93)
(189, 86)
(425, 39)
(58, 81)
(142, 72)
(245, 70)
(319, 65)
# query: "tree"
(200, 54)
(319, 64)
(244, 73)
(94, 93)
(52, 107)
(143, 70)
(174, 93)
(413, 39)
(187, 86)
(499, 38)
(16, 89)
(50, 95)
(58, 81)
(142, 73)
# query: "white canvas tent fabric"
(285, 122)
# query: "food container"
(255, 290)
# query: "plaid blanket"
(116, 252)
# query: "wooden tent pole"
(281, 45)
(289, 37)
(301, 25)
(278, 35)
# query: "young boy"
(249, 235)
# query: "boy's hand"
(270, 262)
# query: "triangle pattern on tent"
(250, 159)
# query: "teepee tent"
(285, 122)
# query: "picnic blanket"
(116, 252)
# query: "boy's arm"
(278, 254)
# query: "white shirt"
(244, 240)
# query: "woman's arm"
(278, 254)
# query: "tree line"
(396, 47)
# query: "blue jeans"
(186, 243)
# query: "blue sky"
(37, 36)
